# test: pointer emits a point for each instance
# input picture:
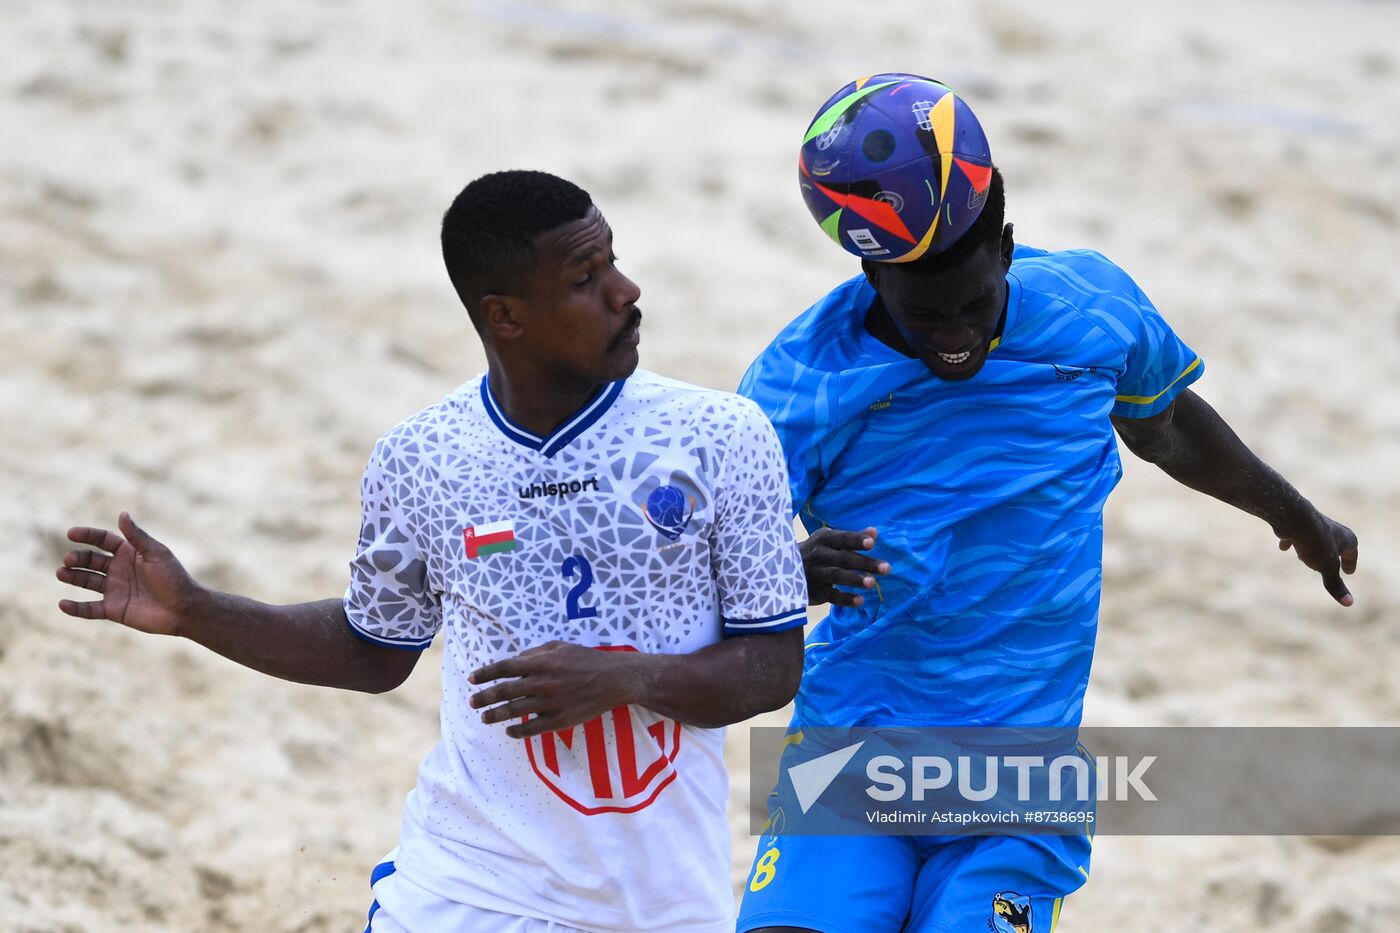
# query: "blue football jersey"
(988, 493)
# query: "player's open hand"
(556, 685)
(141, 583)
(832, 558)
(1326, 546)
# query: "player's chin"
(623, 362)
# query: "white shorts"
(400, 906)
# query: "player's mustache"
(634, 321)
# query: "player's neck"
(539, 404)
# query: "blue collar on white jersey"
(581, 420)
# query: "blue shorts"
(918, 884)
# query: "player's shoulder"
(824, 335)
(1083, 284)
(805, 358)
(692, 404)
(1074, 276)
(431, 424)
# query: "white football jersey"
(654, 520)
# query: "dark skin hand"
(832, 558)
(1192, 444)
(558, 685)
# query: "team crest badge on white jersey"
(669, 506)
(669, 510)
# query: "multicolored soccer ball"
(894, 167)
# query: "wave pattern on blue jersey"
(988, 493)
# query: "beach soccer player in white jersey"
(610, 557)
(949, 417)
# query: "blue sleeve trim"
(783, 620)
(404, 645)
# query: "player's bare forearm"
(309, 643)
(143, 586)
(558, 685)
(1193, 445)
(726, 682)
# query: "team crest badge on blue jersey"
(669, 510)
(1011, 913)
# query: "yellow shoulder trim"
(1148, 399)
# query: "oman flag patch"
(495, 538)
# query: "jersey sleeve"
(758, 569)
(388, 601)
(1159, 364)
(796, 401)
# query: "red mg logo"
(614, 763)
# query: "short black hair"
(489, 232)
(985, 231)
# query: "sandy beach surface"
(220, 282)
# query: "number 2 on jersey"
(572, 609)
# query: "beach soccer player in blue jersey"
(948, 418)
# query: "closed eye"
(587, 277)
(972, 310)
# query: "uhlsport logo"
(669, 510)
(1011, 913)
(618, 762)
(560, 489)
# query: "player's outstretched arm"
(561, 685)
(1194, 445)
(143, 586)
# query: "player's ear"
(1008, 244)
(500, 316)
